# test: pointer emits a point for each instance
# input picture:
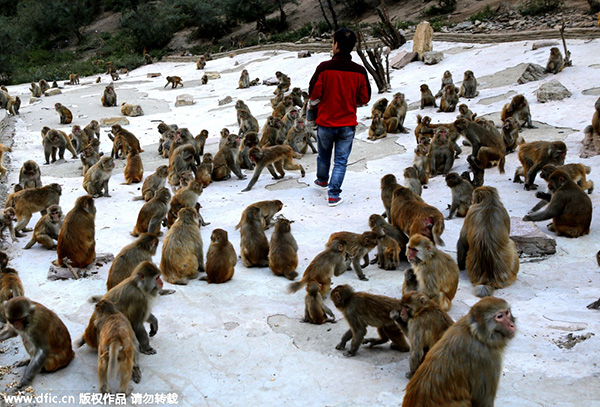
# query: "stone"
(184, 100)
(530, 240)
(225, 101)
(304, 54)
(553, 90)
(52, 92)
(270, 81)
(153, 75)
(433, 57)
(64, 273)
(109, 121)
(542, 44)
(402, 59)
(212, 75)
(423, 39)
(532, 72)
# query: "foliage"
(147, 30)
(484, 15)
(356, 7)
(537, 7)
(438, 22)
(443, 7)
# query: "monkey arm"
(410, 281)
(345, 338)
(143, 339)
(7, 333)
(449, 161)
(34, 367)
(357, 267)
(328, 311)
(462, 247)
(552, 210)
(153, 324)
(257, 170)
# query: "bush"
(484, 15)
(438, 22)
(443, 7)
(537, 7)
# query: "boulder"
(52, 92)
(64, 273)
(553, 90)
(184, 100)
(402, 59)
(109, 121)
(542, 44)
(153, 75)
(304, 54)
(433, 57)
(225, 101)
(423, 39)
(530, 240)
(532, 73)
(212, 75)
(270, 81)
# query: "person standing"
(336, 88)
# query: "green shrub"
(438, 22)
(484, 15)
(537, 7)
(443, 7)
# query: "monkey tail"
(137, 198)
(113, 360)
(419, 118)
(79, 342)
(587, 168)
(483, 290)
(437, 231)
(501, 165)
(30, 244)
(295, 286)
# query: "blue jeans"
(341, 139)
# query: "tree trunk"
(333, 15)
(325, 15)
(389, 35)
(375, 66)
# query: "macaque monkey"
(283, 107)
(330, 262)
(29, 176)
(283, 83)
(468, 88)
(200, 63)
(577, 173)
(465, 112)
(361, 310)
(203, 80)
(297, 96)
(283, 250)
(484, 246)
(7, 217)
(74, 79)
(92, 129)
(424, 323)
(411, 180)
(446, 80)
(79, 138)
(244, 81)
(109, 97)
(555, 62)
(267, 209)
(174, 81)
(300, 138)
(29, 201)
(66, 117)
(76, 244)
(379, 107)
(510, 134)
(427, 98)
(13, 105)
(413, 216)
(3, 149)
(391, 243)
(142, 249)
(134, 169)
(277, 99)
(225, 161)
(220, 258)
(271, 131)
(288, 120)
(129, 109)
(389, 184)
(462, 191)
(488, 147)
(10, 285)
(315, 310)
(184, 198)
(249, 140)
(88, 157)
(254, 246)
(395, 113)
(280, 157)
(377, 128)
(153, 183)
(433, 273)
(153, 213)
(182, 159)
(44, 86)
(441, 157)
(449, 99)
(479, 337)
(358, 247)
(519, 109)
(239, 107)
(95, 181)
(248, 122)
(205, 169)
(45, 337)
(421, 163)
(534, 156)
(35, 89)
(182, 256)
(56, 141)
(129, 138)
(47, 229)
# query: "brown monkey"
(44, 86)
(468, 88)
(203, 80)
(358, 247)
(244, 81)
(297, 96)
(92, 129)
(446, 80)
(427, 98)
(3, 149)
(570, 208)
(379, 107)
(130, 139)
(433, 273)
(166, 138)
(29, 176)
(129, 109)
(488, 147)
(201, 63)
(462, 192)
(315, 310)
(510, 134)
(268, 209)
(555, 62)
(413, 216)
(153, 183)
(425, 323)
(377, 128)
(182, 257)
(465, 112)
(152, 213)
(441, 157)
(300, 138)
(596, 118)
(388, 183)
(423, 127)
(205, 169)
(44, 336)
(74, 79)
(184, 137)
(29, 201)
(88, 157)
(271, 131)
(96, 178)
(134, 169)
(576, 172)
(109, 97)
(288, 121)
(129, 257)
(519, 109)
(66, 117)
(35, 89)
(254, 246)
(76, 240)
(391, 242)
(421, 163)
(484, 245)
(184, 198)
(225, 160)
(479, 337)
(283, 82)
(239, 107)
(56, 141)
(13, 105)
(411, 180)
(361, 310)
(449, 99)
(249, 122)
(282, 107)
(283, 250)
(7, 217)
(395, 113)
(10, 286)
(224, 137)
(47, 228)
(78, 137)
(280, 157)
(220, 258)
(174, 81)
(180, 160)
(277, 99)
(534, 156)
(249, 140)
(331, 261)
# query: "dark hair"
(345, 39)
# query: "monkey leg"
(20, 226)
(45, 241)
(383, 338)
(358, 268)
(345, 338)
(274, 174)
(594, 305)
(462, 247)
(143, 339)
(391, 124)
(290, 165)
(125, 371)
(36, 364)
(103, 372)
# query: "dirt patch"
(571, 340)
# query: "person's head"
(345, 39)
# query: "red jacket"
(341, 85)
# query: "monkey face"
(411, 255)
(424, 88)
(505, 323)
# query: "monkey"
(29, 201)
(174, 81)
(533, 156)
(184, 198)
(205, 169)
(184, 137)
(244, 81)
(134, 169)
(56, 141)
(449, 99)
(424, 323)
(283, 250)
(45, 337)
(441, 157)
(596, 118)
(249, 140)
(200, 63)
(488, 147)
(182, 257)
(47, 228)
(465, 112)
(4, 97)
(270, 132)
(283, 82)
(35, 89)
(129, 109)
(182, 159)
(200, 143)
(377, 128)
(166, 138)
(395, 113)
(358, 247)
(331, 261)
(577, 173)
(79, 138)
(220, 258)
(555, 62)
(74, 79)
(446, 80)
(570, 208)
(412, 216)
(391, 243)
(96, 178)
(299, 138)
(7, 217)
(433, 273)
(109, 97)
(203, 80)
(479, 337)
(379, 107)
(153, 183)
(283, 107)
(29, 176)
(92, 129)
(10, 286)
(142, 249)
(425, 131)
(3, 149)
(76, 241)
(315, 310)
(13, 105)
(462, 191)
(427, 98)
(519, 109)
(130, 139)
(484, 246)
(225, 160)
(254, 246)
(389, 184)
(248, 122)
(411, 180)
(66, 117)
(89, 157)
(184, 179)
(152, 213)
(421, 163)
(279, 157)
(510, 134)
(468, 88)
(288, 121)
(277, 99)
(361, 310)
(43, 85)
(268, 209)
(296, 95)
(240, 106)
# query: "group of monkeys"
(413, 231)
